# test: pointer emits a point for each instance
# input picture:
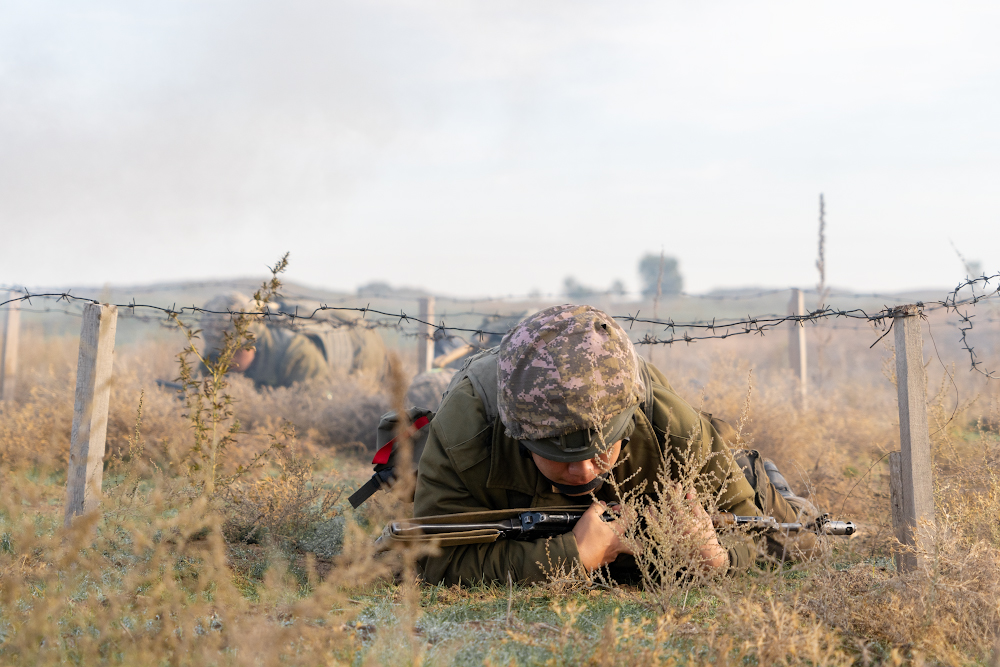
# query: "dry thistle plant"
(281, 507)
(209, 405)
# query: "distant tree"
(671, 281)
(618, 289)
(577, 291)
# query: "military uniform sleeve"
(692, 438)
(743, 549)
(302, 362)
(736, 496)
(696, 451)
(451, 478)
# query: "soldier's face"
(242, 360)
(576, 473)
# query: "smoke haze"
(475, 148)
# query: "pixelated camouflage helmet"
(568, 382)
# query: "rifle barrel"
(839, 527)
(765, 524)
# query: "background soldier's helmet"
(214, 325)
(568, 382)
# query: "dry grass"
(279, 571)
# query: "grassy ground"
(277, 569)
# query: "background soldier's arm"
(303, 361)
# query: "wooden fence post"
(797, 345)
(914, 493)
(425, 337)
(896, 505)
(8, 349)
(90, 411)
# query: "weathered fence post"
(425, 337)
(797, 345)
(896, 505)
(90, 411)
(8, 349)
(913, 492)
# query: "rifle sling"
(408, 529)
(388, 540)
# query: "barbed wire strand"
(953, 302)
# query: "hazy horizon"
(293, 288)
(473, 149)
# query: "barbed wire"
(277, 314)
(496, 315)
(686, 332)
(373, 324)
(745, 326)
(720, 328)
(268, 313)
(952, 303)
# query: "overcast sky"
(496, 147)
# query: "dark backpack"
(387, 455)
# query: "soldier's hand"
(694, 522)
(598, 541)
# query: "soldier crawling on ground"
(561, 408)
(282, 356)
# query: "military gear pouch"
(386, 460)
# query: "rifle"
(823, 524)
(486, 527)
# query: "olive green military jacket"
(285, 357)
(469, 464)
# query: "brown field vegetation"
(275, 568)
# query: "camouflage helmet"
(568, 382)
(216, 323)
